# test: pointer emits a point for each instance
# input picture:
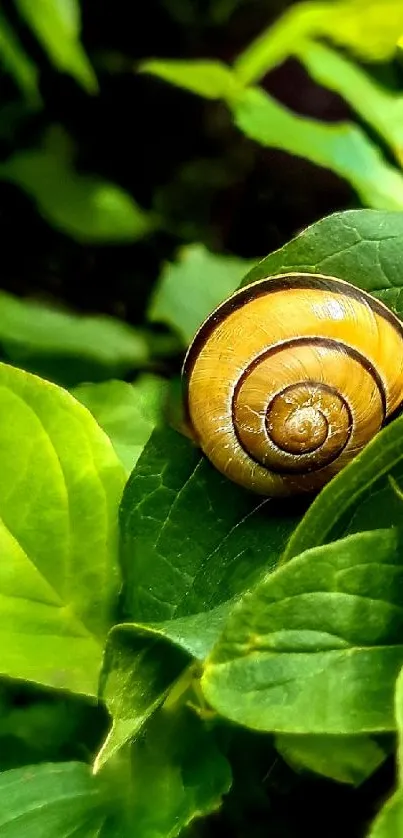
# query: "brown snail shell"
(290, 378)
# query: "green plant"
(370, 29)
(159, 630)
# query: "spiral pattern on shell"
(289, 379)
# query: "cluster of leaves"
(370, 29)
(160, 629)
(91, 209)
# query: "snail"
(289, 379)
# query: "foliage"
(215, 606)
(369, 30)
(180, 657)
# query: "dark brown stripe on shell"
(274, 285)
(331, 344)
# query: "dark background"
(174, 152)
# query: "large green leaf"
(316, 646)
(17, 62)
(84, 207)
(190, 288)
(57, 25)
(67, 347)
(370, 28)
(60, 487)
(126, 412)
(59, 799)
(341, 147)
(359, 246)
(230, 534)
(170, 777)
(191, 543)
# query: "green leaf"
(58, 799)
(210, 79)
(360, 246)
(316, 647)
(170, 777)
(17, 62)
(376, 105)
(190, 288)
(230, 535)
(138, 671)
(370, 28)
(345, 759)
(84, 207)
(179, 775)
(126, 412)
(191, 543)
(57, 26)
(343, 147)
(59, 491)
(67, 347)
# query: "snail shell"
(289, 379)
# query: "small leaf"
(179, 775)
(190, 288)
(82, 206)
(138, 671)
(60, 487)
(60, 799)
(316, 647)
(126, 412)
(345, 759)
(376, 105)
(57, 25)
(210, 79)
(67, 347)
(343, 147)
(17, 62)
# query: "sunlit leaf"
(60, 487)
(191, 287)
(341, 147)
(210, 79)
(57, 25)
(370, 28)
(82, 206)
(126, 412)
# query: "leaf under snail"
(290, 378)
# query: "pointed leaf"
(210, 79)
(57, 25)
(190, 288)
(60, 487)
(343, 147)
(82, 206)
(126, 412)
(67, 347)
(316, 647)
